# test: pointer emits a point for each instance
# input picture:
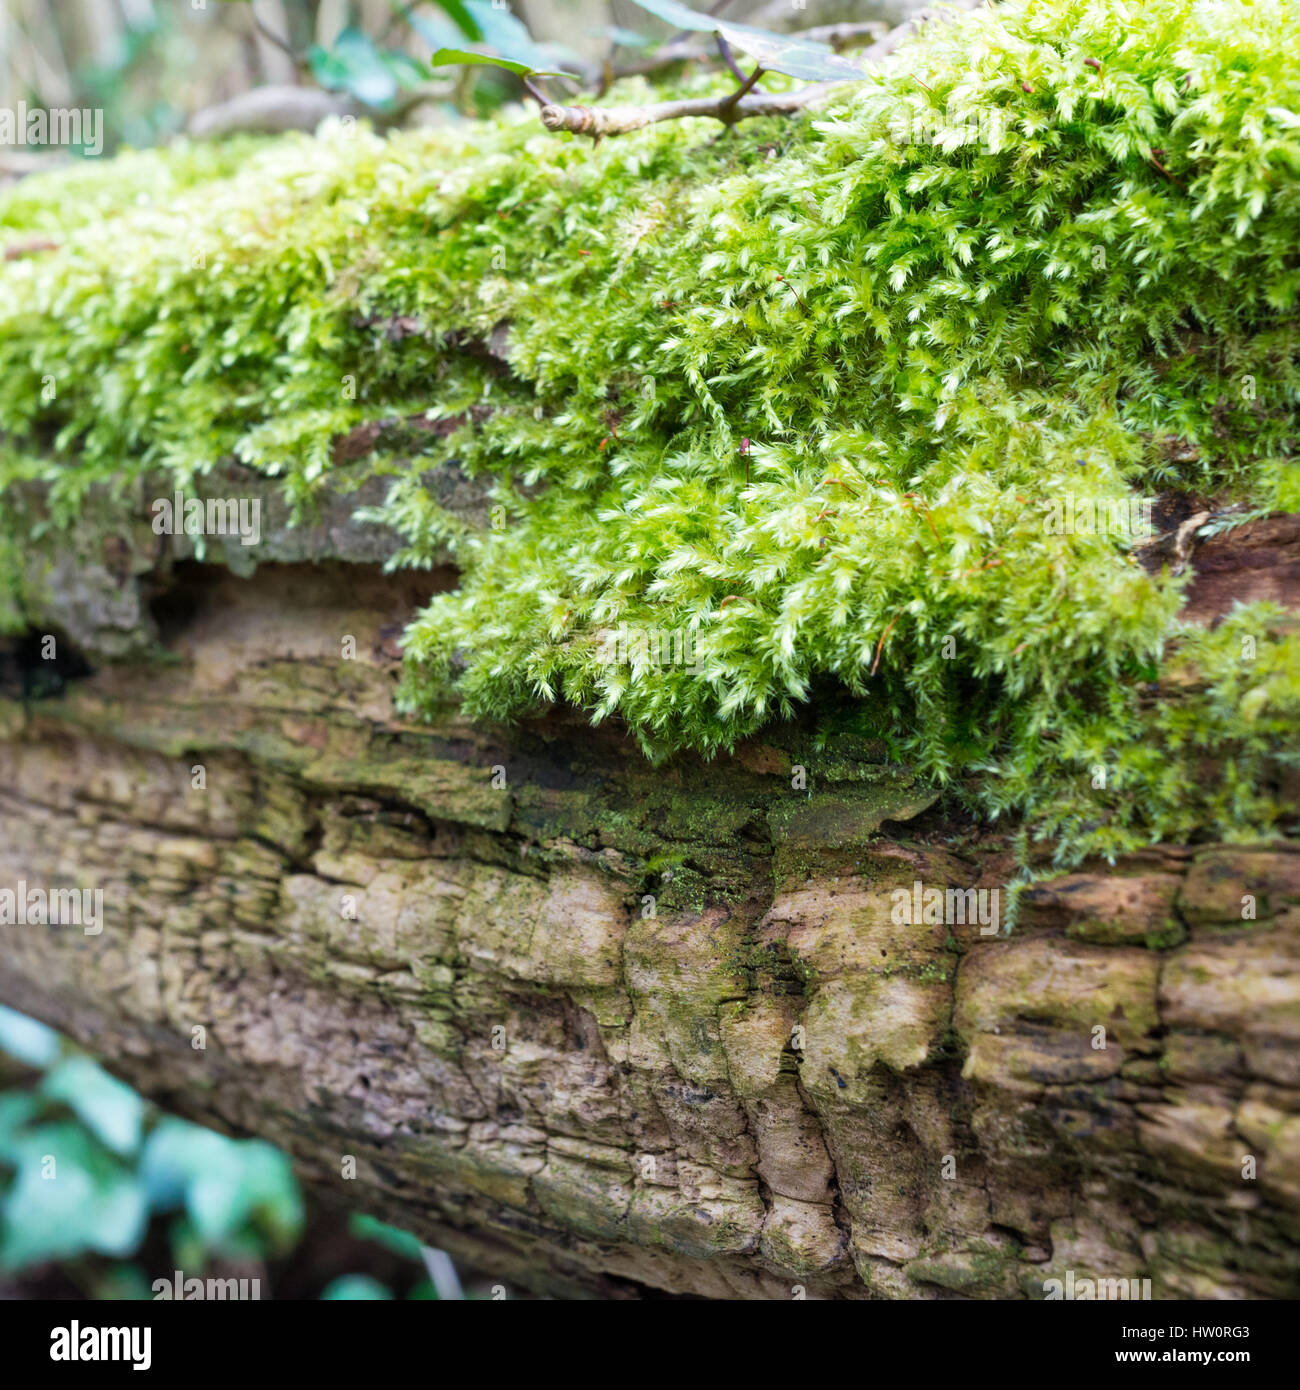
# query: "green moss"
(808, 393)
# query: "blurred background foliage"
(101, 1195)
(151, 65)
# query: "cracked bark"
(766, 1085)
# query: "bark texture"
(603, 1029)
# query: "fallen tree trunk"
(603, 1029)
(845, 401)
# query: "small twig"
(1152, 159)
(537, 95)
(725, 49)
(296, 58)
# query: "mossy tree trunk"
(599, 1028)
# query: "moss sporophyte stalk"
(804, 398)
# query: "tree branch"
(619, 120)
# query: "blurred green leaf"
(628, 38)
(679, 16)
(399, 1242)
(173, 1154)
(356, 66)
(16, 1109)
(460, 57)
(355, 1288)
(224, 1184)
(27, 1039)
(461, 17)
(802, 58)
(437, 33)
(69, 1196)
(405, 69)
(108, 1107)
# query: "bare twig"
(725, 49)
(748, 85)
(297, 59)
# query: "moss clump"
(808, 394)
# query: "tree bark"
(606, 1030)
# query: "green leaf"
(680, 16)
(225, 1184)
(356, 66)
(460, 57)
(802, 58)
(627, 38)
(461, 17)
(16, 1109)
(174, 1154)
(399, 1242)
(507, 35)
(69, 1196)
(438, 34)
(405, 69)
(109, 1108)
(355, 1288)
(27, 1039)
(450, 57)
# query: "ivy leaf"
(407, 71)
(109, 1108)
(27, 1039)
(354, 65)
(68, 1196)
(390, 1237)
